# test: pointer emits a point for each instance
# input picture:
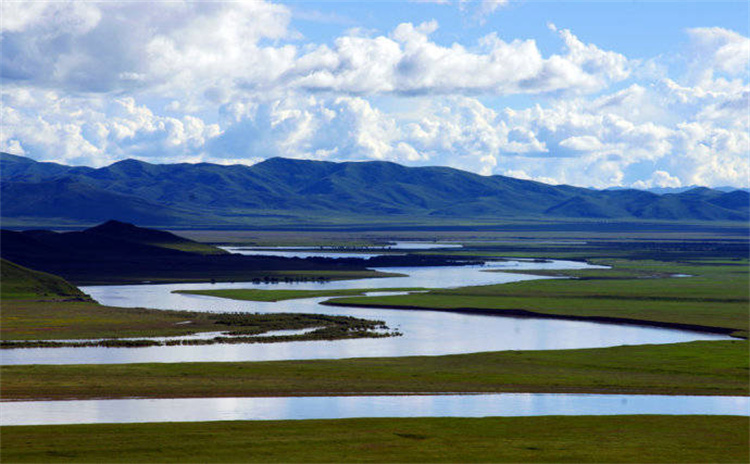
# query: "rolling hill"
(120, 252)
(17, 282)
(298, 192)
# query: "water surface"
(340, 407)
(425, 332)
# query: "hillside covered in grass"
(293, 192)
(18, 282)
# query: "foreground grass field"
(696, 368)
(514, 439)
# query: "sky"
(596, 94)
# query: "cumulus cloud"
(409, 62)
(601, 142)
(719, 50)
(658, 179)
(167, 49)
(95, 130)
(115, 46)
(91, 83)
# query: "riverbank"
(59, 324)
(43, 310)
(513, 439)
(695, 368)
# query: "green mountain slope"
(294, 192)
(19, 282)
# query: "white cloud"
(717, 49)
(409, 62)
(582, 143)
(223, 50)
(228, 82)
(97, 131)
(658, 179)
(115, 46)
(597, 143)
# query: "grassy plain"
(513, 439)
(513, 233)
(696, 368)
(41, 306)
(635, 289)
(45, 324)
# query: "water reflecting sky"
(339, 407)
(425, 332)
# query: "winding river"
(424, 333)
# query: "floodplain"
(691, 283)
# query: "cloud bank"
(92, 83)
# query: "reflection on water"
(425, 332)
(337, 252)
(339, 407)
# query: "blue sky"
(637, 29)
(600, 94)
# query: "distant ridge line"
(291, 192)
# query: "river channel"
(424, 332)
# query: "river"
(425, 333)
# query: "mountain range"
(297, 192)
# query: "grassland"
(40, 309)
(696, 368)
(250, 294)
(635, 289)
(514, 439)
(70, 324)
(514, 234)
(18, 283)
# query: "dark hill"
(119, 252)
(129, 233)
(297, 192)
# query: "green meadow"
(640, 288)
(668, 439)
(696, 368)
(37, 306)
